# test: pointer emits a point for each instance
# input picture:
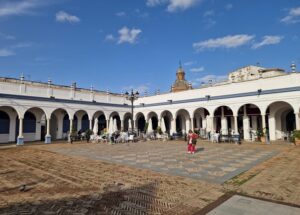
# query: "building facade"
(253, 98)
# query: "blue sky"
(120, 44)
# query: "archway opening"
(223, 120)
(167, 117)
(182, 121)
(280, 120)
(249, 121)
(140, 122)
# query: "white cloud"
(6, 53)
(208, 13)
(153, 3)
(110, 37)
(127, 35)
(230, 41)
(211, 78)
(228, 6)
(197, 69)
(189, 63)
(6, 36)
(18, 7)
(173, 5)
(62, 16)
(120, 14)
(267, 40)
(292, 17)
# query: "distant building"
(180, 84)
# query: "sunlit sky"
(116, 45)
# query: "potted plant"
(260, 135)
(296, 136)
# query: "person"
(191, 141)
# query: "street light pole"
(132, 97)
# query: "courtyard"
(145, 177)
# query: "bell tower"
(180, 82)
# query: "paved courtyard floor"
(210, 163)
(143, 178)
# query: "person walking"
(191, 142)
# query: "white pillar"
(173, 126)
(224, 125)
(20, 140)
(70, 130)
(236, 129)
(254, 122)
(48, 136)
(60, 121)
(263, 122)
(297, 121)
(272, 127)
(79, 123)
(204, 123)
(246, 127)
(122, 125)
(187, 125)
(90, 124)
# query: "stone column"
(254, 122)
(20, 139)
(272, 127)
(48, 135)
(173, 126)
(204, 123)
(91, 124)
(236, 128)
(297, 121)
(107, 124)
(70, 130)
(246, 127)
(122, 125)
(263, 122)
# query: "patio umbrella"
(111, 126)
(150, 127)
(115, 125)
(163, 125)
(96, 128)
(129, 124)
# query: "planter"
(297, 141)
(263, 139)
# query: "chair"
(131, 138)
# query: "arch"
(249, 120)
(182, 121)
(59, 124)
(126, 118)
(199, 119)
(140, 122)
(168, 117)
(83, 122)
(34, 124)
(223, 120)
(154, 118)
(8, 126)
(280, 120)
(115, 115)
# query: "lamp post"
(132, 97)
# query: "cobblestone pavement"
(211, 163)
(60, 184)
(76, 179)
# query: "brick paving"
(210, 163)
(113, 179)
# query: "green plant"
(159, 130)
(296, 134)
(260, 133)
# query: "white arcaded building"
(252, 98)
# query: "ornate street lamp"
(132, 97)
